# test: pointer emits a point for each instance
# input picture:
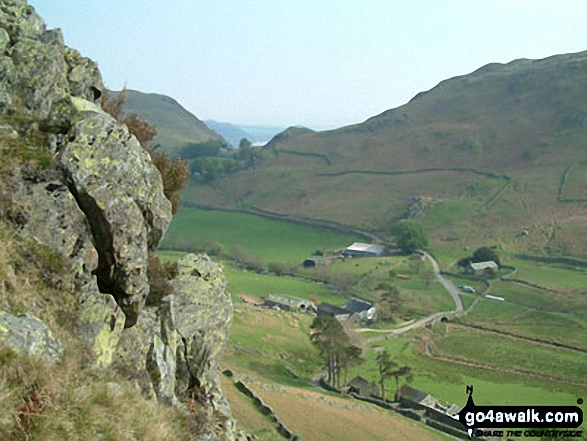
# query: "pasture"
(268, 239)
(447, 381)
(261, 285)
(272, 344)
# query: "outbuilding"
(481, 268)
(365, 250)
(362, 387)
(289, 303)
(313, 261)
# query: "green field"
(274, 345)
(241, 281)
(505, 352)
(268, 239)
(554, 276)
(261, 285)
(447, 381)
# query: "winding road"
(448, 285)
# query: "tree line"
(339, 354)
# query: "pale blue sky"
(318, 63)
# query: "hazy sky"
(318, 63)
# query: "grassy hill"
(497, 151)
(175, 125)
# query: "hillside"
(175, 125)
(496, 151)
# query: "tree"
(404, 371)
(174, 174)
(350, 356)
(332, 342)
(385, 365)
(485, 254)
(212, 147)
(464, 262)
(410, 236)
(387, 301)
(244, 144)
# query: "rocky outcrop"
(92, 196)
(27, 334)
(180, 342)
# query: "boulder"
(27, 335)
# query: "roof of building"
(415, 395)
(331, 309)
(316, 259)
(366, 248)
(292, 302)
(484, 265)
(360, 383)
(357, 305)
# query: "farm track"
(452, 290)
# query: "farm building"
(362, 387)
(356, 310)
(313, 261)
(408, 397)
(289, 303)
(364, 250)
(332, 311)
(480, 268)
(360, 311)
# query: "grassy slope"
(269, 239)
(175, 125)
(525, 119)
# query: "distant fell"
(479, 157)
(175, 125)
(233, 133)
(228, 131)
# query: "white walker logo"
(479, 420)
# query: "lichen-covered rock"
(52, 217)
(101, 323)
(38, 73)
(180, 342)
(28, 335)
(147, 352)
(49, 215)
(121, 193)
(83, 74)
(202, 310)
(20, 19)
(41, 76)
